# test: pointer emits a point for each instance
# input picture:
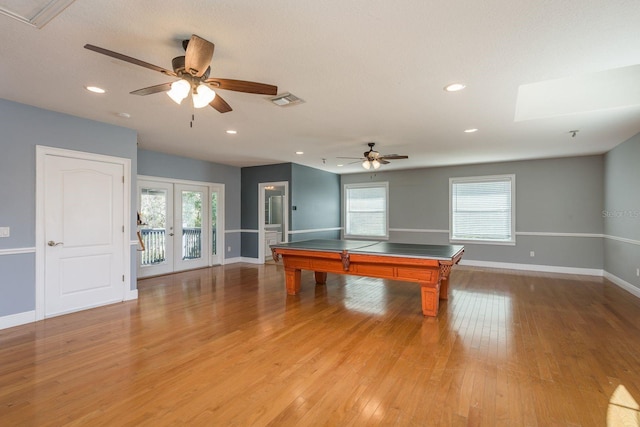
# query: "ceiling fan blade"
(129, 59)
(198, 56)
(243, 86)
(383, 161)
(393, 157)
(355, 158)
(164, 87)
(220, 104)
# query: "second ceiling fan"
(374, 159)
(193, 70)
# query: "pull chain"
(193, 112)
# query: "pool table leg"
(321, 277)
(430, 298)
(292, 280)
(445, 270)
(444, 288)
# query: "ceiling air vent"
(286, 99)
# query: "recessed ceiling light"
(340, 166)
(95, 89)
(454, 87)
(124, 115)
(471, 130)
(232, 132)
(299, 152)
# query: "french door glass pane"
(153, 211)
(191, 224)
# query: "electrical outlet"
(532, 254)
(5, 231)
(228, 248)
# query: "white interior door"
(155, 205)
(85, 231)
(191, 239)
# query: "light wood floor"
(226, 346)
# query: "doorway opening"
(273, 216)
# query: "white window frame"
(345, 214)
(479, 179)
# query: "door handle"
(170, 234)
(52, 243)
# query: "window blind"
(482, 209)
(366, 211)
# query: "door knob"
(52, 243)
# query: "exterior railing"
(154, 246)
(191, 245)
(154, 240)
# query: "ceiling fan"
(373, 158)
(193, 70)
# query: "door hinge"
(123, 277)
(123, 179)
(123, 228)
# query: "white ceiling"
(368, 70)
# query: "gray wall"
(156, 164)
(316, 196)
(22, 128)
(591, 195)
(621, 214)
(563, 196)
(314, 193)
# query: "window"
(365, 210)
(482, 209)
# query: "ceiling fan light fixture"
(179, 90)
(202, 96)
(366, 164)
(375, 163)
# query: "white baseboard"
(17, 319)
(235, 260)
(131, 295)
(250, 260)
(535, 267)
(633, 290)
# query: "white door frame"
(220, 230)
(41, 153)
(285, 208)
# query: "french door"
(178, 226)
